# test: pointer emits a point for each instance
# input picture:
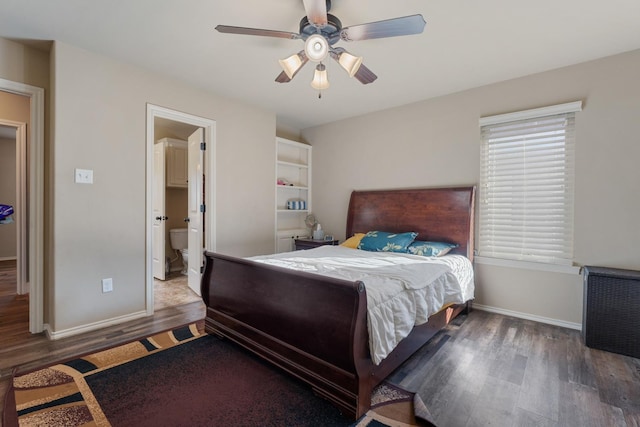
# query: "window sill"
(528, 265)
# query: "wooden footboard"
(313, 327)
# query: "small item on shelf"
(296, 205)
(282, 181)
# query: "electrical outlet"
(84, 176)
(107, 285)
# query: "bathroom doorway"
(169, 205)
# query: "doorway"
(170, 125)
(30, 198)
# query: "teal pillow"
(381, 241)
(430, 248)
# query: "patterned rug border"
(60, 395)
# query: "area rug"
(184, 378)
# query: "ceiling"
(465, 44)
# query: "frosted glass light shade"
(350, 63)
(316, 47)
(320, 79)
(291, 65)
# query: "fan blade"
(256, 32)
(283, 78)
(316, 12)
(404, 26)
(365, 75)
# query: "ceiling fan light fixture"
(316, 47)
(291, 65)
(320, 80)
(350, 63)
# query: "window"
(526, 185)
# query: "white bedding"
(403, 290)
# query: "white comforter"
(403, 290)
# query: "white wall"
(98, 230)
(437, 143)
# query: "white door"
(158, 211)
(196, 215)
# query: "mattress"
(403, 290)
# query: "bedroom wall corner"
(436, 142)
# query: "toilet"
(180, 242)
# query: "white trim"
(527, 316)
(528, 265)
(55, 335)
(209, 125)
(569, 107)
(36, 199)
(22, 163)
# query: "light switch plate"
(84, 176)
(107, 285)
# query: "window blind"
(526, 188)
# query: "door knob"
(162, 218)
(187, 219)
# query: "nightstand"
(313, 243)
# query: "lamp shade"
(350, 63)
(316, 47)
(320, 80)
(291, 65)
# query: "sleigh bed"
(314, 326)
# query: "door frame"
(36, 198)
(209, 126)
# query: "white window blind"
(527, 185)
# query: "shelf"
(291, 187)
(292, 210)
(295, 165)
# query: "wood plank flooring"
(22, 351)
(483, 369)
(488, 369)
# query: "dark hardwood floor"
(482, 370)
(492, 370)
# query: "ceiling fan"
(320, 31)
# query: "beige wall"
(8, 232)
(99, 230)
(436, 143)
(24, 64)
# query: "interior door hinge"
(203, 208)
(203, 146)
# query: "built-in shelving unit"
(293, 183)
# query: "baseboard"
(527, 316)
(9, 258)
(54, 335)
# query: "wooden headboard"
(436, 214)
